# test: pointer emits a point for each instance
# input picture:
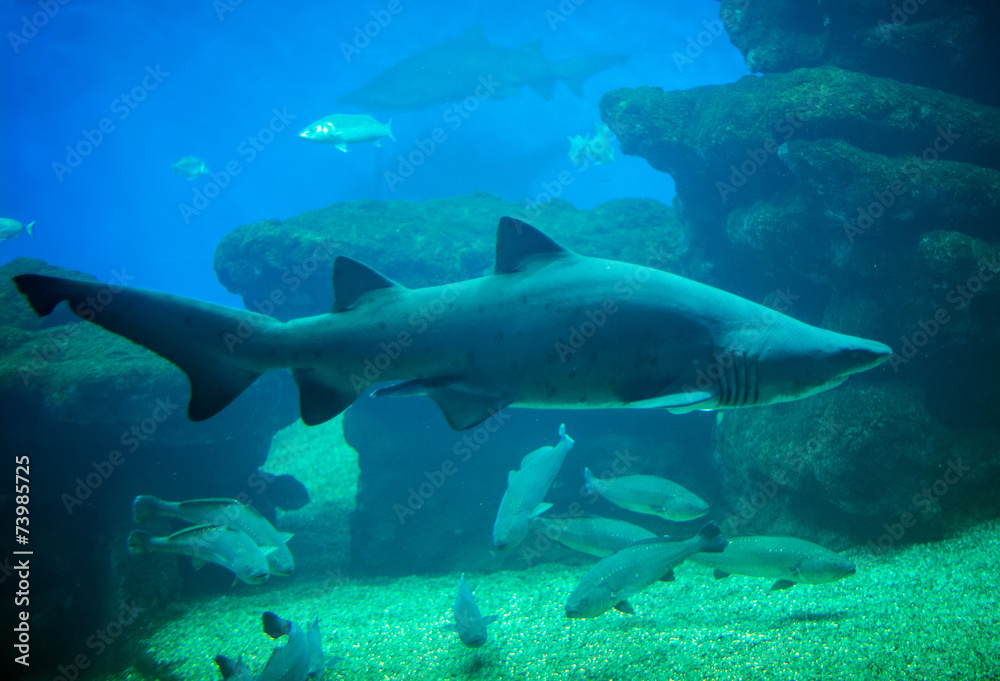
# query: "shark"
(549, 328)
(468, 66)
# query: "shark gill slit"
(738, 385)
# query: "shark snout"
(870, 354)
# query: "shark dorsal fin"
(351, 280)
(518, 242)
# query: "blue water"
(210, 77)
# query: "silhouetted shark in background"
(549, 329)
(468, 67)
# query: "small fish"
(469, 623)
(597, 148)
(292, 661)
(231, 549)
(597, 536)
(788, 560)
(647, 494)
(10, 228)
(611, 582)
(343, 129)
(189, 167)
(526, 488)
(228, 512)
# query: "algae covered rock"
(284, 268)
(945, 45)
(846, 462)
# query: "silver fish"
(189, 166)
(647, 494)
(228, 512)
(292, 661)
(231, 549)
(526, 488)
(615, 579)
(597, 536)
(469, 623)
(788, 560)
(10, 228)
(343, 129)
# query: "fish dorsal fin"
(193, 531)
(518, 243)
(351, 280)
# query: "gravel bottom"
(923, 612)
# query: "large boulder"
(284, 268)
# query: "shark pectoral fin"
(197, 563)
(283, 537)
(720, 574)
(624, 607)
(463, 406)
(669, 577)
(449, 627)
(342, 147)
(489, 619)
(268, 550)
(782, 584)
(677, 403)
(319, 399)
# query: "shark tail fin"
(214, 345)
(388, 128)
(27, 228)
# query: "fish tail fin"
(27, 228)
(146, 507)
(588, 481)
(710, 536)
(217, 347)
(388, 127)
(139, 541)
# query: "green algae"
(922, 612)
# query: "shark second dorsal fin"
(351, 280)
(518, 243)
